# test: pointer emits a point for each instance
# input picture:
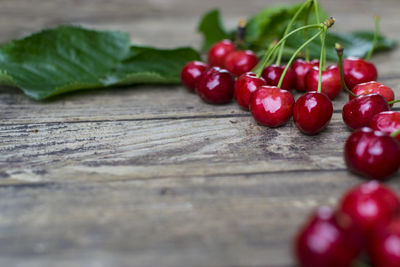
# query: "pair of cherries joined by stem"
(365, 220)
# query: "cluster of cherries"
(364, 227)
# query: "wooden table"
(152, 176)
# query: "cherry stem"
(240, 34)
(375, 40)
(289, 26)
(395, 133)
(394, 101)
(306, 50)
(321, 58)
(339, 51)
(260, 67)
(316, 9)
(295, 55)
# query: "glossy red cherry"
(312, 112)
(191, 74)
(372, 154)
(245, 85)
(271, 106)
(384, 245)
(239, 62)
(358, 112)
(273, 73)
(386, 122)
(300, 68)
(331, 83)
(325, 241)
(357, 70)
(216, 86)
(219, 51)
(373, 87)
(368, 204)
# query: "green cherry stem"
(321, 59)
(339, 51)
(316, 10)
(260, 67)
(289, 26)
(394, 101)
(295, 55)
(395, 133)
(306, 50)
(375, 40)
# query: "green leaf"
(270, 24)
(60, 60)
(70, 58)
(212, 29)
(150, 65)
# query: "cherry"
(384, 245)
(368, 204)
(216, 86)
(312, 112)
(273, 73)
(387, 122)
(357, 70)
(219, 51)
(271, 106)
(372, 154)
(331, 83)
(239, 62)
(358, 112)
(245, 85)
(301, 68)
(325, 241)
(191, 74)
(372, 87)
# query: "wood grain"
(152, 176)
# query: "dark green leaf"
(70, 58)
(60, 60)
(212, 29)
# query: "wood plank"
(163, 148)
(200, 221)
(135, 103)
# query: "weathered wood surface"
(152, 176)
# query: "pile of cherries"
(364, 227)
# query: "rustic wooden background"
(152, 176)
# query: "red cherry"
(301, 68)
(312, 112)
(271, 106)
(387, 122)
(325, 241)
(368, 204)
(358, 112)
(384, 245)
(331, 83)
(216, 86)
(372, 154)
(245, 85)
(356, 70)
(218, 53)
(273, 73)
(373, 87)
(239, 62)
(191, 74)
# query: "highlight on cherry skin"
(273, 73)
(330, 80)
(357, 70)
(241, 61)
(372, 87)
